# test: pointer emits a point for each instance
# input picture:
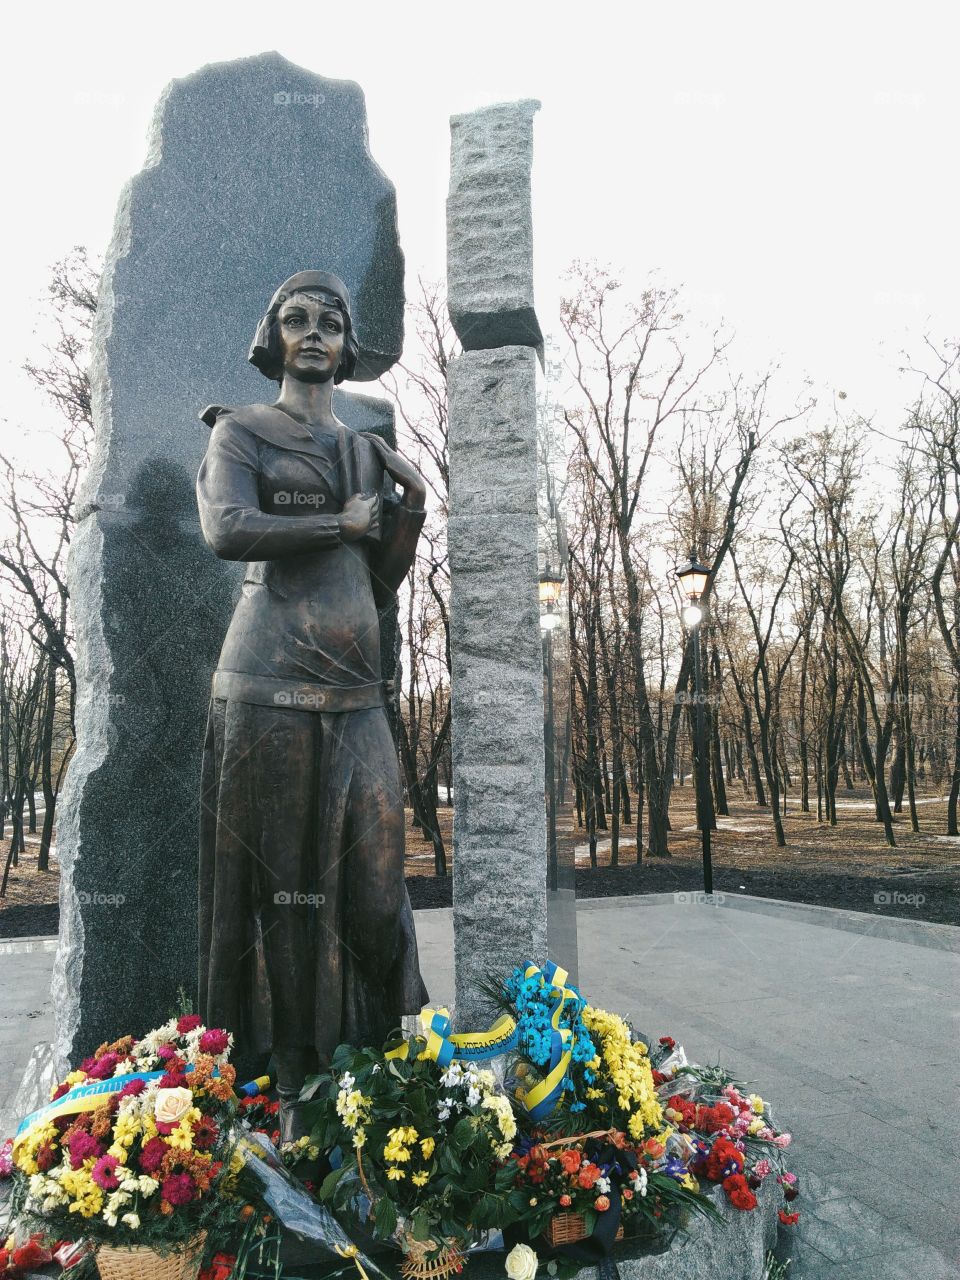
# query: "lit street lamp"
(550, 584)
(693, 581)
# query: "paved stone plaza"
(846, 1023)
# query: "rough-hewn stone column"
(499, 869)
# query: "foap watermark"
(97, 899)
(894, 298)
(284, 98)
(99, 698)
(688, 698)
(294, 498)
(899, 98)
(109, 501)
(284, 898)
(297, 698)
(98, 98)
(699, 98)
(697, 898)
(894, 898)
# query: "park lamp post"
(693, 582)
(550, 584)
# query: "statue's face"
(311, 337)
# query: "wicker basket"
(570, 1228)
(417, 1266)
(139, 1263)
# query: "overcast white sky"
(793, 166)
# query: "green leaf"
(385, 1218)
(421, 1226)
(462, 1134)
(329, 1184)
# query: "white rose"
(172, 1105)
(522, 1262)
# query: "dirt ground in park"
(847, 866)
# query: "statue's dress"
(306, 931)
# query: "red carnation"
(220, 1267)
(177, 1189)
(173, 1080)
(214, 1041)
(82, 1146)
(132, 1089)
(739, 1193)
(788, 1219)
(658, 1077)
(46, 1157)
(570, 1160)
(188, 1022)
(104, 1067)
(668, 1042)
(60, 1090)
(151, 1155)
(29, 1257)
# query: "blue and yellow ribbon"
(86, 1097)
(444, 1046)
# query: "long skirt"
(306, 933)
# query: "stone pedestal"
(257, 168)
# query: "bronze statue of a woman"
(306, 931)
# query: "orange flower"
(602, 1204)
(102, 1121)
(589, 1173)
(653, 1148)
(570, 1159)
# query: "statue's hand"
(399, 469)
(358, 517)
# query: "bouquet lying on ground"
(135, 1146)
(735, 1141)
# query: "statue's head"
(307, 332)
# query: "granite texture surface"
(490, 228)
(256, 169)
(499, 880)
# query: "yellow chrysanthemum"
(419, 1179)
(395, 1174)
(426, 1146)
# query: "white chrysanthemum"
(473, 1097)
(132, 1220)
(147, 1185)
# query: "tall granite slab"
(490, 228)
(256, 169)
(499, 825)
